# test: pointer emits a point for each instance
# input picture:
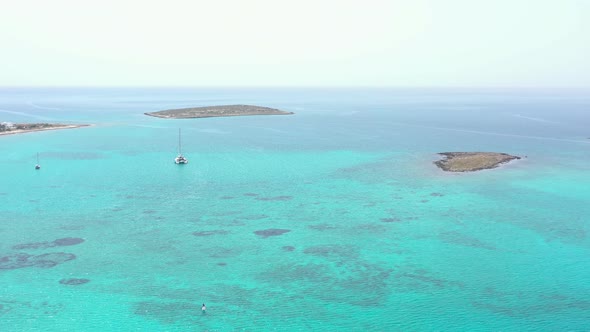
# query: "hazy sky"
(296, 43)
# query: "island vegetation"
(9, 128)
(472, 161)
(216, 111)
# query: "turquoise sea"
(331, 219)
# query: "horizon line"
(291, 87)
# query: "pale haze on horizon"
(423, 43)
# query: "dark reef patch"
(149, 211)
(350, 281)
(421, 280)
(23, 260)
(322, 227)
(271, 232)
(222, 253)
(14, 261)
(254, 217)
(333, 250)
(33, 245)
(74, 281)
(439, 283)
(51, 259)
(251, 194)
(67, 241)
(221, 264)
(225, 213)
(209, 233)
(371, 228)
(226, 197)
(436, 194)
(464, 240)
(275, 198)
(393, 219)
(44, 307)
(288, 248)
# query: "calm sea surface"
(332, 219)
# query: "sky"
(389, 43)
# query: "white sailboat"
(37, 166)
(180, 159)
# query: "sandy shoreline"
(56, 127)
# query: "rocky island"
(472, 161)
(216, 111)
(8, 128)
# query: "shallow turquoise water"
(379, 239)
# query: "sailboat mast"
(180, 159)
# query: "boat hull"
(180, 160)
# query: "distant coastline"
(23, 128)
(216, 111)
(472, 161)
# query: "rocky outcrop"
(472, 161)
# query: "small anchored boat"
(37, 166)
(180, 159)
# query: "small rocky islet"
(216, 111)
(472, 161)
